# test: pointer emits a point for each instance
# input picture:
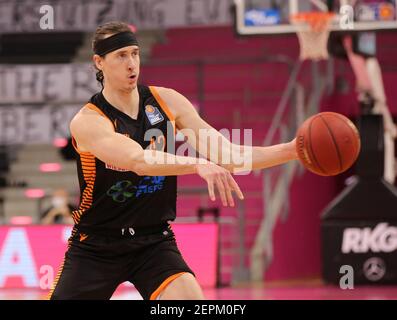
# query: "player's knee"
(184, 287)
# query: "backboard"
(268, 17)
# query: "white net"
(313, 32)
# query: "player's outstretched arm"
(95, 134)
(214, 146)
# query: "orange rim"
(317, 20)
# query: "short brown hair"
(107, 29)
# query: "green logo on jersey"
(121, 191)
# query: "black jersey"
(113, 198)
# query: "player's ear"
(97, 61)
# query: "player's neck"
(127, 102)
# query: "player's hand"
(292, 147)
(222, 179)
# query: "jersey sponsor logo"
(383, 238)
(83, 237)
(153, 114)
(111, 167)
(149, 185)
(121, 191)
(124, 190)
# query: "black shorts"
(95, 266)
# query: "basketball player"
(122, 230)
(371, 94)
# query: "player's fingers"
(211, 191)
(228, 190)
(235, 187)
(221, 189)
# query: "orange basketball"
(328, 143)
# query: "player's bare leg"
(185, 287)
(369, 80)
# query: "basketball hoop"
(313, 30)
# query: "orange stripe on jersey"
(89, 174)
(163, 106)
(88, 171)
(90, 188)
(90, 166)
(87, 199)
(56, 280)
(86, 156)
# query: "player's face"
(121, 68)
